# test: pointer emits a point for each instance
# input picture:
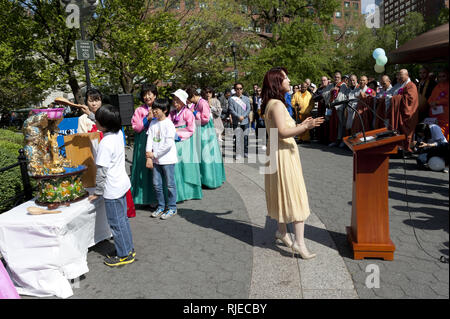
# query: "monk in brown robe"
(404, 109)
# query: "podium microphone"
(346, 103)
(371, 110)
(380, 118)
(343, 102)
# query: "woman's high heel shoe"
(302, 251)
(286, 239)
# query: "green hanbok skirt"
(211, 163)
(141, 177)
(187, 171)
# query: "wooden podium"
(368, 234)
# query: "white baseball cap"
(182, 95)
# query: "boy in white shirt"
(112, 182)
(161, 154)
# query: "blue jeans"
(116, 213)
(168, 173)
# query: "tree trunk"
(126, 81)
(76, 90)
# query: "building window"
(338, 14)
(346, 4)
(268, 28)
(356, 5)
(202, 5)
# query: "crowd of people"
(398, 104)
(175, 154)
(177, 141)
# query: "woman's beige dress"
(286, 197)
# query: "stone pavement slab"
(325, 276)
(203, 252)
(419, 209)
(223, 245)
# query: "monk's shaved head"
(403, 75)
(385, 82)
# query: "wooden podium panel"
(78, 150)
(368, 234)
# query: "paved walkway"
(423, 212)
(223, 245)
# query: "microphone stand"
(379, 117)
(347, 104)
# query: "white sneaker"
(169, 213)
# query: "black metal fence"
(27, 192)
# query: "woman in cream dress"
(286, 196)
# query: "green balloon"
(382, 60)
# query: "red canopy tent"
(431, 46)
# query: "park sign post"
(85, 50)
(79, 12)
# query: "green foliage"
(204, 50)
(136, 44)
(354, 54)
(297, 42)
(414, 25)
(443, 17)
(10, 148)
(38, 29)
(13, 137)
(11, 179)
(21, 81)
(147, 41)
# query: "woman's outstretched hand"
(311, 123)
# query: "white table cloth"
(43, 252)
